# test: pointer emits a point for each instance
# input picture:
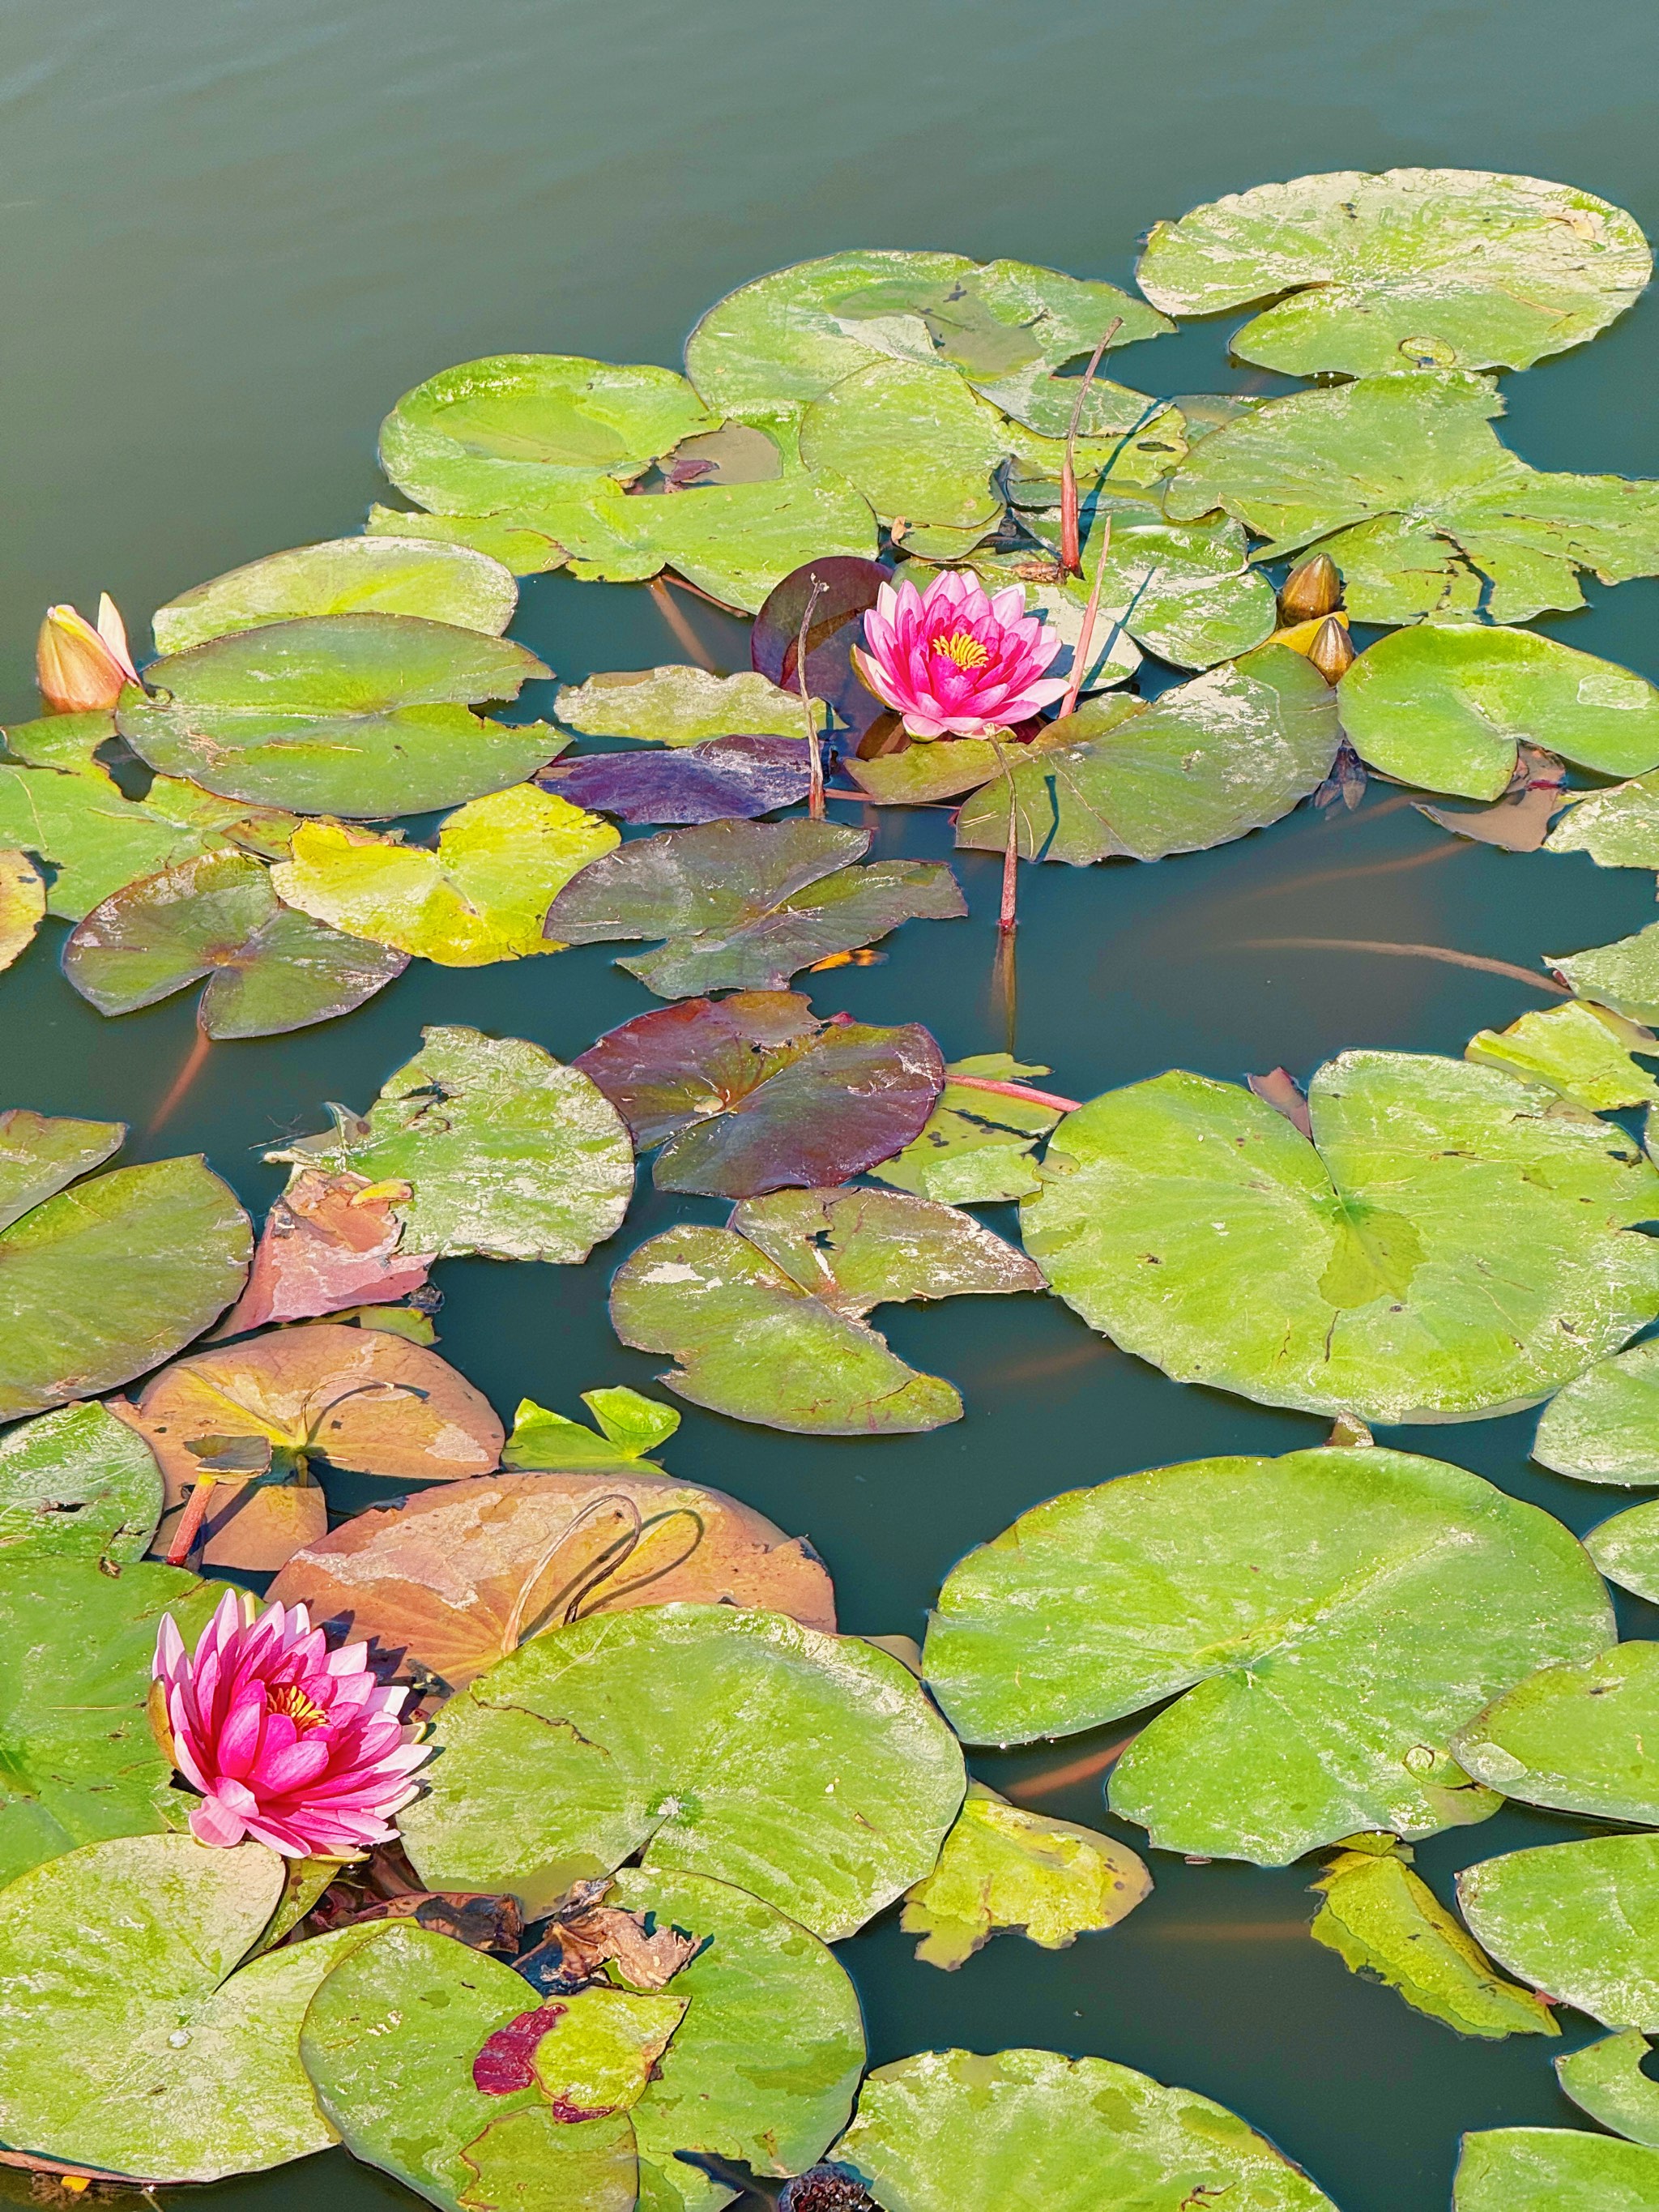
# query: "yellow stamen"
(291, 1700)
(963, 648)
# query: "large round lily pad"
(1580, 1920)
(1333, 1615)
(1604, 1426)
(1449, 1243)
(1575, 1737)
(1553, 2170)
(79, 1478)
(345, 576)
(807, 1768)
(951, 2131)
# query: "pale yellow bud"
(81, 670)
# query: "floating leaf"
(81, 1763)
(353, 715)
(102, 1281)
(737, 542)
(1618, 829)
(600, 2050)
(808, 1769)
(952, 2131)
(1372, 1602)
(1409, 476)
(745, 904)
(1447, 706)
(1381, 1920)
(1411, 269)
(1626, 1549)
(79, 1479)
(270, 969)
(132, 2046)
(679, 705)
(1520, 821)
(832, 596)
(1580, 1050)
(754, 1093)
(1604, 1426)
(1209, 760)
(345, 576)
(1185, 591)
(1574, 1738)
(1580, 1920)
(1004, 1867)
(722, 778)
(921, 775)
(328, 1242)
(1553, 2170)
(480, 896)
(508, 1152)
(22, 904)
(1607, 2080)
(977, 1146)
(454, 1579)
(1623, 975)
(766, 1317)
(1452, 1244)
(628, 1425)
(519, 547)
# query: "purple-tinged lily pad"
(849, 588)
(725, 779)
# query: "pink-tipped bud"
(81, 670)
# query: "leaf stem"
(814, 757)
(189, 1523)
(1071, 552)
(1016, 1091)
(1086, 634)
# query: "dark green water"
(235, 232)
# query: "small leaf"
(679, 705)
(1607, 2079)
(597, 2054)
(328, 1242)
(1618, 829)
(1579, 1920)
(1623, 975)
(976, 1147)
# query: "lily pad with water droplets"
(1607, 2080)
(1579, 1920)
(721, 779)
(809, 1769)
(1604, 1426)
(345, 576)
(1451, 1242)
(1553, 2170)
(1574, 1738)
(1334, 1616)
(1410, 269)
(679, 705)
(78, 1478)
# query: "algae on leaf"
(386, 576)
(1580, 1920)
(1575, 1737)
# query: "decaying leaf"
(587, 1934)
(329, 1242)
(719, 779)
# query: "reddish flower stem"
(814, 755)
(1071, 551)
(190, 1524)
(1016, 1091)
(684, 635)
(195, 1061)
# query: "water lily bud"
(81, 670)
(1312, 588)
(1332, 652)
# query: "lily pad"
(1574, 1738)
(1618, 829)
(628, 1426)
(345, 576)
(745, 904)
(134, 2047)
(1406, 482)
(1580, 1050)
(1626, 1549)
(104, 1280)
(81, 1763)
(1373, 1603)
(1447, 706)
(832, 596)
(600, 2050)
(1623, 975)
(509, 1152)
(808, 1769)
(1451, 1242)
(1606, 2080)
(328, 1242)
(754, 1093)
(951, 2131)
(1186, 592)
(453, 1579)
(1005, 1868)
(1604, 1426)
(1231, 752)
(722, 778)
(1410, 269)
(1580, 1920)
(520, 548)
(389, 2042)
(79, 1479)
(352, 714)
(737, 542)
(1553, 2170)
(480, 896)
(22, 904)
(766, 1317)
(1381, 1920)
(679, 705)
(270, 969)
(976, 1148)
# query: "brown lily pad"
(329, 1242)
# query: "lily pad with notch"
(1608, 2080)
(626, 1427)
(1580, 1920)
(345, 575)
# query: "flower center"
(963, 648)
(289, 1699)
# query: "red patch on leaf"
(562, 2111)
(505, 2062)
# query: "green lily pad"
(389, 2043)
(737, 542)
(1604, 1426)
(681, 705)
(1623, 975)
(80, 1479)
(766, 1317)
(1231, 752)
(745, 904)
(1447, 706)
(1574, 1738)
(628, 1425)
(345, 576)
(81, 1763)
(1410, 269)
(1005, 1868)
(131, 2046)
(521, 549)
(102, 1281)
(1451, 1242)
(1381, 1920)
(1606, 2080)
(1333, 1615)
(1184, 591)
(1553, 2170)
(1405, 480)
(977, 1147)
(1626, 1549)
(270, 969)
(1580, 1920)
(1580, 1050)
(599, 2054)
(951, 2131)
(765, 2067)
(922, 773)
(481, 897)
(22, 904)
(809, 1769)
(353, 715)
(510, 1153)
(1618, 829)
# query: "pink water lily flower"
(953, 662)
(299, 1747)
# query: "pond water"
(237, 231)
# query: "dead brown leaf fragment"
(1520, 821)
(329, 1241)
(587, 1934)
